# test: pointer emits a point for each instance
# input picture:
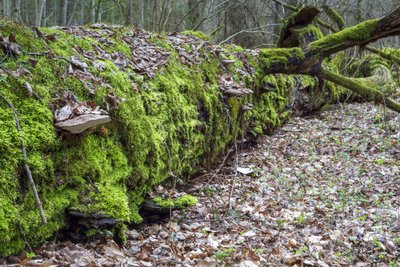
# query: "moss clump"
(176, 203)
(310, 30)
(359, 32)
(198, 34)
(284, 56)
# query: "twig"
(219, 168)
(254, 30)
(24, 237)
(187, 14)
(233, 178)
(26, 166)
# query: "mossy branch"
(329, 27)
(385, 55)
(26, 166)
(360, 89)
(309, 61)
(335, 17)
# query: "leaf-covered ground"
(322, 191)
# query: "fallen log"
(172, 115)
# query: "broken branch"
(363, 91)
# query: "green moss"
(279, 56)
(335, 17)
(358, 32)
(309, 30)
(66, 43)
(234, 48)
(23, 35)
(99, 167)
(197, 34)
(179, 202)
(119, 233)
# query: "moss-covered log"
(171, 108)
(175, 103)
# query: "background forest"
(250, 23)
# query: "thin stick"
(26, 166)
(219, 169)
(233, 178)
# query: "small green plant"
(301, 219)
(338, 254)
(301, 251)
(257, 172)
(30, 255)
(379, 161)
(91, 232)
(378, 244)
(259, 251)
(394, 263)
(382, 255)
(362, 218)
(209, 191)
(280, 222)
(222, 254)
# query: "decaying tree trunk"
(308, 60)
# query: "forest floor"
(321, 191)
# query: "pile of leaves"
(322, 191)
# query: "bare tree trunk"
(73, 14)
(97, 11)
(93, 11)
(142, 13)
(129, 15)
(16, 10)
(63, 12)
(7, 7)
(82, 13)
(194, 14)
(44, 15)
(154, 17)
(39, 13)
